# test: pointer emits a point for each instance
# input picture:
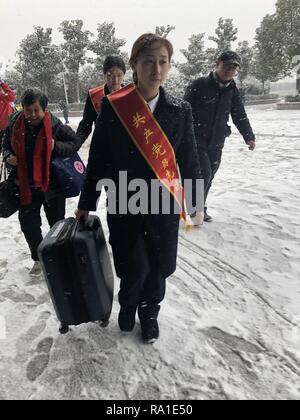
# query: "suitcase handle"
(91, 223)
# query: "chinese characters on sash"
(149, 138)
(157, 149)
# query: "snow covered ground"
(230, 324)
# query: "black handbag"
(9, 194)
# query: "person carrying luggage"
(144, 132)
(33, 138)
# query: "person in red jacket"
(6, 109)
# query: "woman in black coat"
(114, 70)
(144, 245)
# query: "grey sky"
(131, 18)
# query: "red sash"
(149, 138)
(96, 94)
(41, 157)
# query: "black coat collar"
(165, 99)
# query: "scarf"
(41, 157)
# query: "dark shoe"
(207, 218)
(150, 330)
(127, 319)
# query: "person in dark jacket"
(144, 245)
(213, 100)
(114, 70)
(64, 108)
(33, 138)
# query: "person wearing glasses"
(214, 99)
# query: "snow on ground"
(230, 324)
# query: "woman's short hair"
(113, 61)
(32, 95)
(144, 42)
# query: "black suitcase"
(78, 272)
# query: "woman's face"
(152, 67)
(34, 113)
(114, 78)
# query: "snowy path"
(230, 325)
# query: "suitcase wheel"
(104, 323)
(64, 329)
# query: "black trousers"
(31, 222)
(145, 286)
(66, 116)
(210, 161)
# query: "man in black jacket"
(214, 99)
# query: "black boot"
(150, 330)
(207, 217)
(149, 325)
(127, 318)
